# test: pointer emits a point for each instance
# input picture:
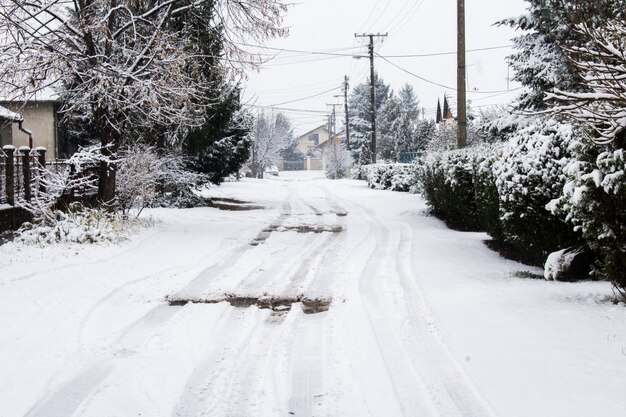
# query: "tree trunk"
(109, 142)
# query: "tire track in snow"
(455, 382)
(308, 363)
(64, 401)
(404, 379)
(222, 382)
(446, 389)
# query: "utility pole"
(346, 86)
(372, 88)
(333, 144)
(333, 119)
(461, 104)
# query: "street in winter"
(369, 208)
(332, 299)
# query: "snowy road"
(332, 300)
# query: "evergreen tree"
(539, 63)
(221, 145)
(360, 117)
(405, 125)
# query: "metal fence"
(21, 170)
(408, 157)
(294, 165)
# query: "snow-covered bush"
(486, 191)
(78, 224)
(76, 175)
(337, 160)
(146, 177)
(594, 201)
(528, 176)
(447, 183)
(394, 177)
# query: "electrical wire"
(305, 98)
(441, 85)
(489, 48)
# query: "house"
(327, 146)
(308, 145)
(7, 120)
(39, 125)
(308, 142)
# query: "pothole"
(265, 233)
(231, 204)
(278, 305)
(313, 229)
(229, 200)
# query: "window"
(315, 138)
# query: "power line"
(441, 85)
(306, 98)
(489, 48)
(309, 111)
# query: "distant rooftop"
(45, 94)
(6, 114)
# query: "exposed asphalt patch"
(265, 233)
(231, 204)
(278, 305)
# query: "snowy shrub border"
(79, 225)
(504, 190)
(528, 176)
(394, 177)
(594, 201)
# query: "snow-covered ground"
(424, 321)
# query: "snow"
(424, 321)
(9, 115)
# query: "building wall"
(5, 133)
(305, 144)
(39, 118)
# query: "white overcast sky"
(414, 27)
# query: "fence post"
(41, 159)
(25, 150)
(9, 150)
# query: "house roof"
(6, 114)
(313, 130)
(46, 94)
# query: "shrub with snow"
(394, 177)
(78, 224)
(337, 161)
(528, 176)
(486, 191)
(447, 183)
(594, 201)
(146, 177)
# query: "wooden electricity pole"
(346, 86)
(461, 140)
(461, 102)
(372, 89)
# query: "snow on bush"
(447, 183)
(48, 186)
(337, 161)
(394, 177)
(486, 191)
(80, 225)
(145, 175)
(594, 201)
(528, 176)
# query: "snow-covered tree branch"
(126, 64)
(602, 65)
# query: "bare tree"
(602, 64)
(271, 135)
(124, 63)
